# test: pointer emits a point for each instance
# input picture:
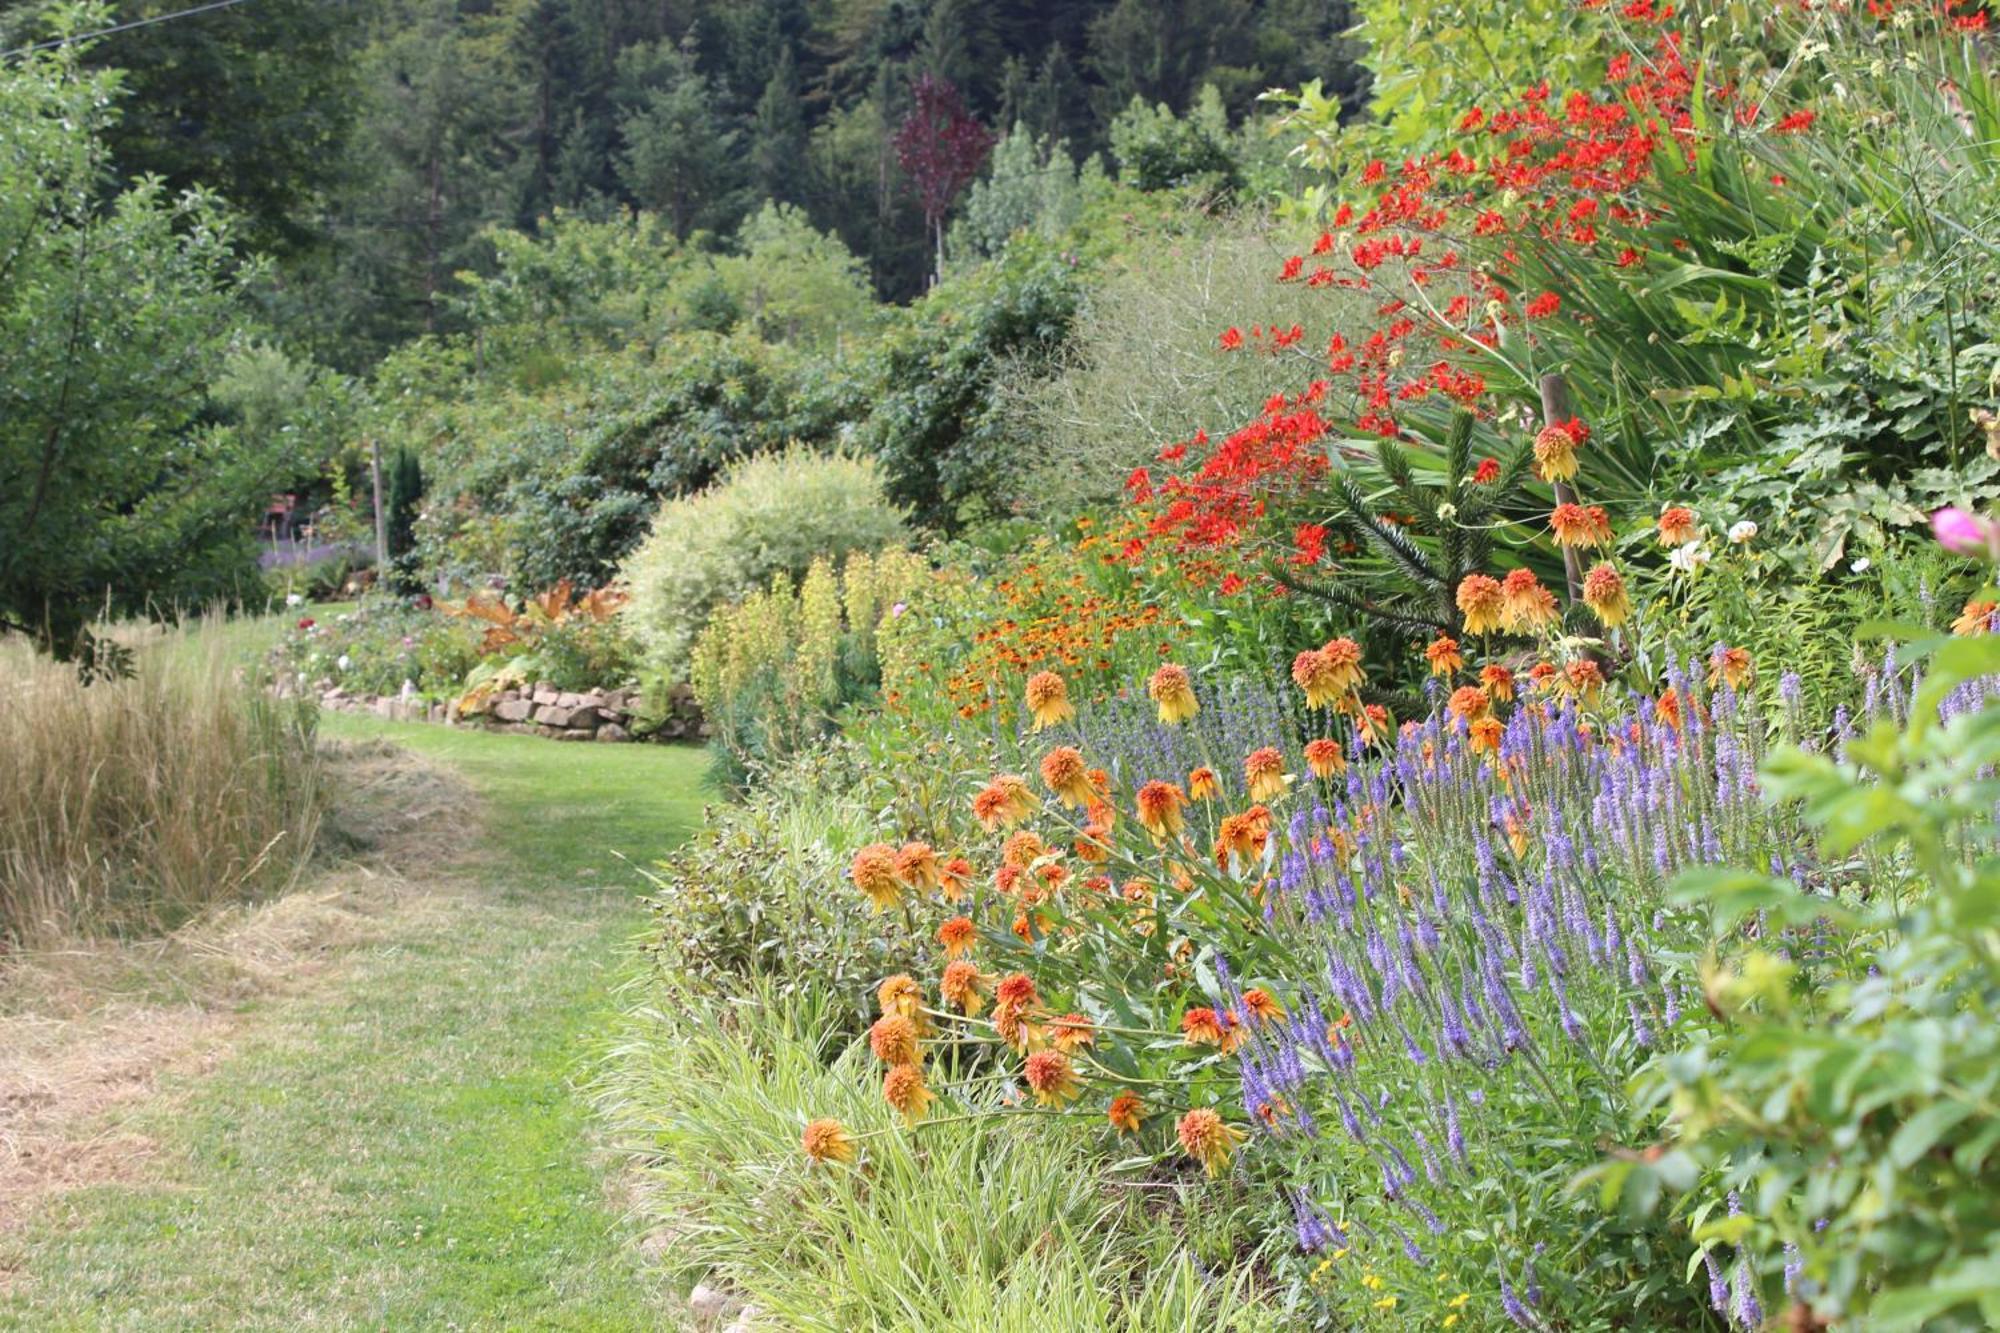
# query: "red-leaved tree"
(940, 147)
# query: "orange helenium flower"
(1052, 1078)
(1575, 526)
(1530, 606)
(1048, 700)
(901, 994)
(1325, 757)
(957, 936)
(1977, 618)
(1064, 772)
(1677, 526)
(1442, 653)
(1202, 1026)
(917, 866)
(960, 986)
(826, 1141)
(1004, 802)
(893, 1038)
(1160, 809)
(954, 877)
(1022, 849)
(1374, 723)
(1171, 689)
(1264, 771)
(1482, 602)
(1469, 702)
(1584, 677)
(1243, 836)
(874, 873)
(1484, 735)
(1207, 1138)
(1555, 453)
(1126, 1112)
(1203, 785)
(1667, 707)
(1321, 681)
(904, 1090)
(1731, 665)
(1072, 1032)
(1604, 593)
(1261, 1007)
(1343, 658)
(1499, 682)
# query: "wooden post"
(1555, 411)
(381, 518)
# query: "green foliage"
(1031, 185)
(716, 1093)
(771, 514)
(680, 158)
(118, 490)
(1847, 1085)
(405, 491)
(937, 420)
(794, 284)
(377, 647)
(1158, 150)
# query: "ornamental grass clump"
(131, 804)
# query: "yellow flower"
(1203, 785)
(1048, 700)
(1171, 689)
(902, 995)
(957, 936)
(1386, 1303)
(1325, 757)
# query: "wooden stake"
(381, 519)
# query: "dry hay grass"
(91, 1028)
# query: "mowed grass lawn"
(403, 1144)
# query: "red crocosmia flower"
(1310, 541)
(1293, 267)
(1543, 306)
(1487, 472)
(1324, 245)
(1373, 172)
(1232, 338)
(1796, 122)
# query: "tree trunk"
(381, 516)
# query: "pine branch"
(1407, 619)
(1387, 536)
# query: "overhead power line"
(121, 27)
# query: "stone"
(548, 715)
(577, 734)
(611, 731)
(710, 1304)
(569, 699)
(546, 697)
(513, 710)
(385, 706)
(583, 715)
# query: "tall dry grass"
(129, 805)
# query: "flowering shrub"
(377, 647)
(773, 671)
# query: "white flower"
(293, 599)
(1743, 532)
(344, 662)
(1690, 558)
(1861, 566)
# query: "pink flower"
(1963, 533)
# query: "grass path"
(403, 1146)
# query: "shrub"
(1842, 1101)
(768, 515)
(774, 670)
(378, 647)
(131, 804)
(1149, 372)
